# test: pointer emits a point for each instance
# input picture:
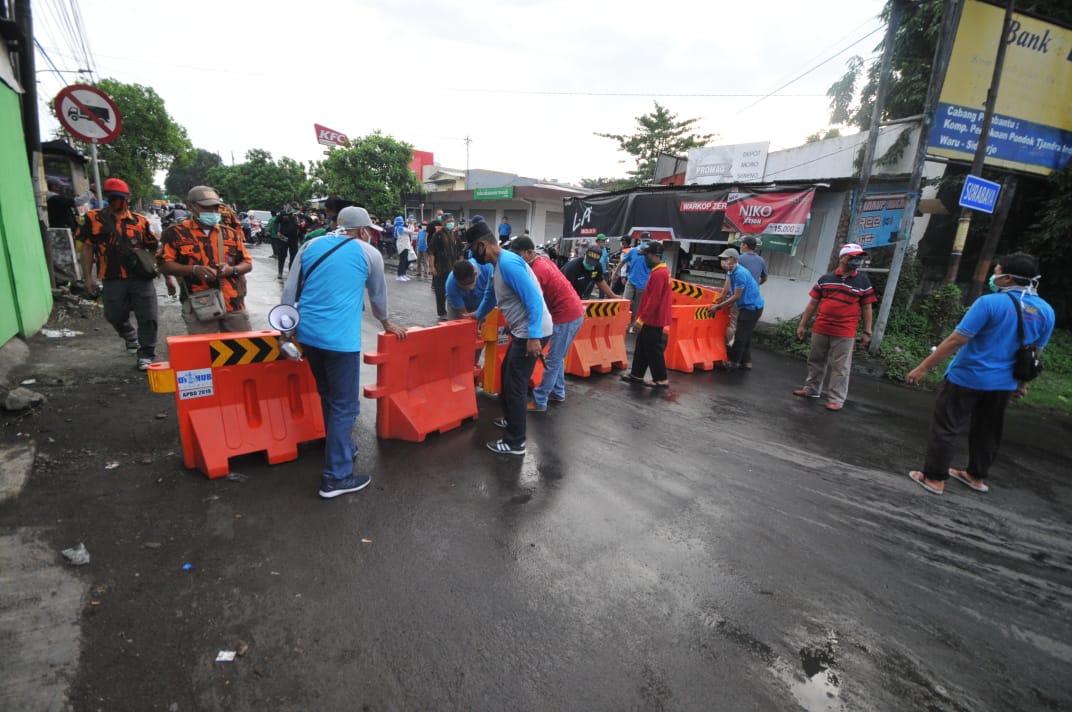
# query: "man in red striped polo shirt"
(839, 297)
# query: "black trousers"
(289, 247)
(741, 351)
(514, 378)
(439, 286)
(123, 296)
(649, 353)
(954, 408)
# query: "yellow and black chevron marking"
(702, 313)
(238, 352)
(689, 290)
(602, 309)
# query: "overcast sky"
(529, 81)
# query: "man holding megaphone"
(327, 284)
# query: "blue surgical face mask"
(992, 284)
(209, 219)
(450, 226)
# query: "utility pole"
(467, 142)
(990, 246)
(896, 7)
(980, 151)
(946, 34)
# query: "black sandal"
(630, 378)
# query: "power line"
(809, 71)
(471, 90)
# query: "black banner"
(689, 214)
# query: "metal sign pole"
(948, 31)
(96, 171)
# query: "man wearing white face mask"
(839, 300)
(981, 378)
(208, 255)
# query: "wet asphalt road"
(720, 546)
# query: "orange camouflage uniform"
(186, 243)
(105, 243)
(228, 217)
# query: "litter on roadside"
(60, 333)
(225, 656)
(78, 555)
(187, 567)
(28, 382)
(111, 465)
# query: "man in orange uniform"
(109, 236)
(207, 254)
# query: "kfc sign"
(328, 137)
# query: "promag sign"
(1032, 126)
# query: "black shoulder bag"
(138, 262)
(1028, 362)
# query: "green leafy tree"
(372, 170)
(607, 184)
(823, 135)
(191, 170)
(261, 183)
(150, 140)
(657, 132)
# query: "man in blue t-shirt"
(636, 271)
(752, 262)
(741, 290)
(515, 290)
(466, 285)
(327, 283)
(504, 231)
(979, 382)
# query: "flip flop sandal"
(630, 378)
(922, 482)
(960, 476)
(653, 384)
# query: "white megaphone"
(284, 318)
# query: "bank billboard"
(1032, 125)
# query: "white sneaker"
(400, 279)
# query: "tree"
(608, 185)
(821, 135)
(657, 132)
(372, 170)
(185, 174)
(150, 140)
(261, 183)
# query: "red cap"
(114, 186)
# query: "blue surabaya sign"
(879, 221)
(979, 194)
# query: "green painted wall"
(25, 292)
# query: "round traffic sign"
(88, 113)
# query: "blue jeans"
(338, 377)
(554, 373)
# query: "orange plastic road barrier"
(688, 293)
(424, 384)
(236, 394)
(497, 340)
(600, 343)
(696, 340)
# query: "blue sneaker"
(330, 487)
